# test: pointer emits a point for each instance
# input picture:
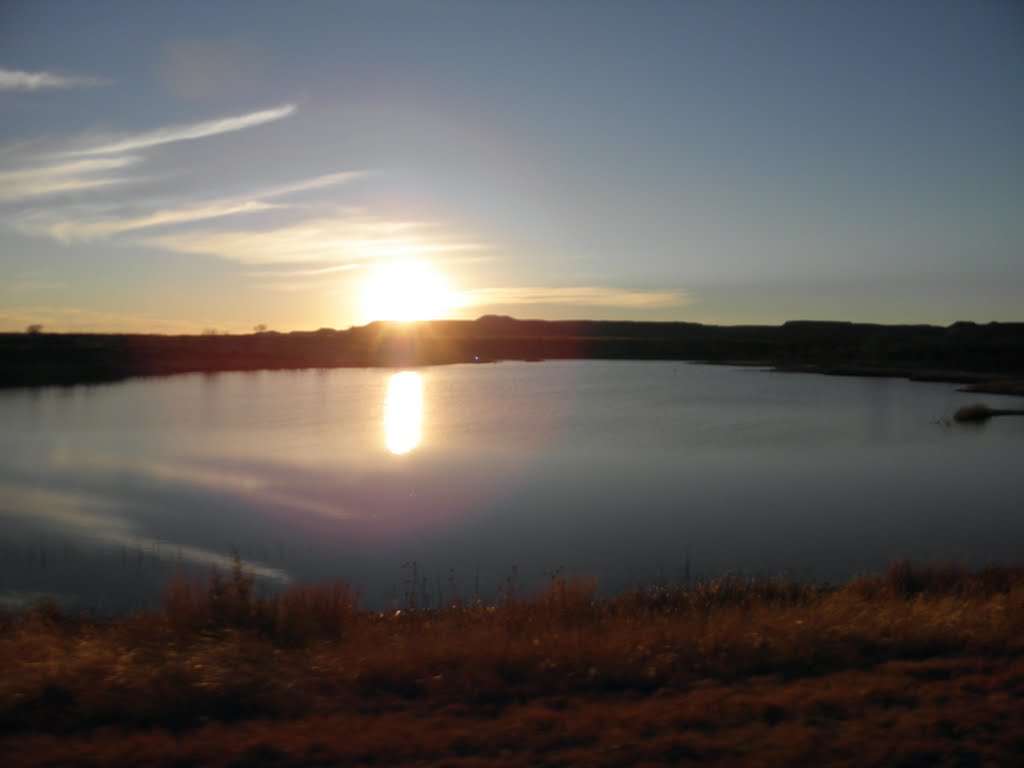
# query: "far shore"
(983, 357)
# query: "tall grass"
(291, 618)
(219, 651)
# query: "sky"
(186, 167)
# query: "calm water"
(474, 477)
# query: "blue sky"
(183, 166)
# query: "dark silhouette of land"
(988, 357)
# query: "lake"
(472, 479)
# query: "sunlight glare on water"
(403, 412)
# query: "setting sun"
(405, 291)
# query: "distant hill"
(988, 355)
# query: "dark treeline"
(991, 356)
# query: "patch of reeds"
(978, 412)
(220, 652)
(291, 618)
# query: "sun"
(405, 291)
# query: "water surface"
(470, 479)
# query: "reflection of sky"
(611, 469)
(96, 518)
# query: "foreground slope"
(924, 666)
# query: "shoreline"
(972, 382)
(983, 358)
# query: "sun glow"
(405, 291)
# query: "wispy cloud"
(67, 231)
(346, 236)
(66, 226)
(314, 272)
(55, 178)
(580, 296)
(21, 80)
(305, 239)
(285, 280)
(189, 132)
(307, 185)
(88, 167)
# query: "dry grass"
(917, 661)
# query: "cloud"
(82, 169)
(67, 228)
(67, 231)
(314, 272)
(317, 182)
(62, 177)
(346, 236)
(20, 80)
(581, 296)
(298, 280)
(312, 237)
(175, 133)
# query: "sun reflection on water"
(403, 412)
